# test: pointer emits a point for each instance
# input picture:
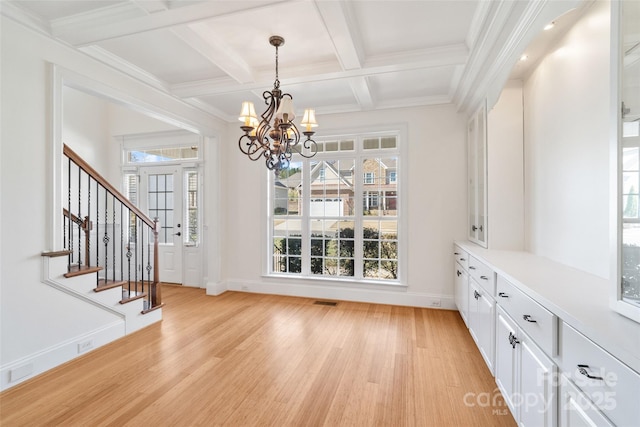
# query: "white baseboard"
(28, 367)
(215, 289)
(382, 296)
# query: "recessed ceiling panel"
(432, 82)
(247, 34)
(164, 55)
(396, 26)
(54, 9)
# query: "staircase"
(110, 251)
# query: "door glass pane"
(161, 204)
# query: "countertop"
(578, 298)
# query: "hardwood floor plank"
(242, 359)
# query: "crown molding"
(17, 13)
(86, 21)
(126, 67)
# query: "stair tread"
(134, 297)
(74, 270)
(53, 254)
(103, 284)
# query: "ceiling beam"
(205, 41)
(431, 58)
(87, 31)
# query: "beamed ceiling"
(338, 56)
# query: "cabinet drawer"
(613, 387)
(483, 274)
(535, 320)
(461, 256)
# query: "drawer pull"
(456, 253)
(458, 273)
(528, 318)
(503, 295)
(484, 277)
(462, 259)
(583, 370)
(471, 267)
(476, 295)
(513, 340)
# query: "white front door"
(161, 197)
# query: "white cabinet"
(524, 374)
(576, 409)
(495, 149)
(461, 282)
(506, 358)
(477, 170)
(462, 292)
(609, 385)
(482, 321)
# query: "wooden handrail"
(73, 217)
(95, 175)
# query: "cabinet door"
(486, 326)
(576, 410)
(506, 358)
(473, 317)
(477, 171)
(538, 375)
(462, 292)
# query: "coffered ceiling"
(338, 56)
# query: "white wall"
(435, 215)
(35, 318)
(567, 148)
(86, 128)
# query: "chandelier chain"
(276, 84)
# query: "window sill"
(341, 282)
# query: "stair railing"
(106, 233)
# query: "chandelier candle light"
(276, 137)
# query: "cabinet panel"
(483, 274)
(462, 257)
(461, 284)
(506, 358)
(612, 387)
(535, 320)
(538, 375)
(477, 169)
(576, 410)
(482, 321)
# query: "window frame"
(357, 154)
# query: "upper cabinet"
(477, 165)
(496, 176)
(625, 51)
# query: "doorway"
(161, 197)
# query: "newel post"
(156, 291)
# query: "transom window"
(325, 223)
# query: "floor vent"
(329, 303)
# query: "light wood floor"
(246, 359)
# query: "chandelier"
(275, 137)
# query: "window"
(192, 207)
(368, 177)
(317, 227)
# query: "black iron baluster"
(97, 224)
(105, 239)
(142, 257)
(149, 268)
(79, 216)
(113, 233)
(121, 241)
(129, 254)
(70, 258)
(136, 256)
